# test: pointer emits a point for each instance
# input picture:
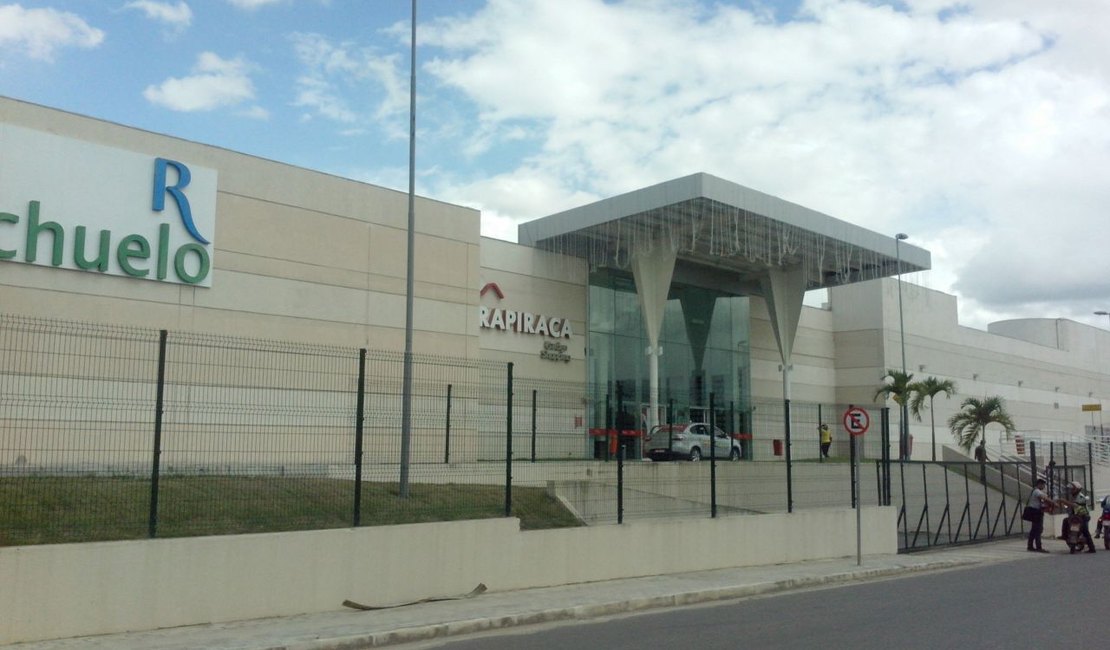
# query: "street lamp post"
(1101, 429)
(904, 438)
(406, 372)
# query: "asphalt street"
(1052, 599)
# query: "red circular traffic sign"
(856, 421)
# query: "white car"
(690, 441)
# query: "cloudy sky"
(981, 128)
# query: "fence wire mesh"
(113, 433)
(77, 402)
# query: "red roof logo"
(492, 286)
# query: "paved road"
(981, 607)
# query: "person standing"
(1038, 500)
(981, 457)
(826, 440)
(1105, 510)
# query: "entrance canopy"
(720, 234)
(713, 224)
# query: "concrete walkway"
(347, 629)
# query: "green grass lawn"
(49, 510)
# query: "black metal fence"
(111, 432)
(955, 502)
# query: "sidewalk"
(348, 629)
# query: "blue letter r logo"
(176, 191)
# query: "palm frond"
(970, 423)
(929, 387)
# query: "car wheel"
(734, 454)
(695, 454)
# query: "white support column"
(652, 269)
(784, 289)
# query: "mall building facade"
(676, 292)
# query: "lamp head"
(901, 236)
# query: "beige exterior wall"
(68, 590)
(813, 378)
(548, 285)
(299, 255)
(541, 283)
(305, 256)
(1045, 369)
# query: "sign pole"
(859, 504)
(856, 422)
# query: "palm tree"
(930, 387)
(900, 388)
(974, 416)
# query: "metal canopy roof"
(713, 223)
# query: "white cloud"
(317, 94)
(336, 70)
(255, 113)
(980, 128)
(214, 83)
(36, 33)
(178, 16)
(251, 5)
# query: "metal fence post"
(1054, 476)
(509, 440)
(884, 453)
(670, 425)
(533, 425)
(608, 423)
(713, 457)
(820, 421)
(618, 417)
(789, 463)
(447, 430)
(1091, 470)
(619, 420)
(1033, 463)
(878, 481)
(152, 523)
(620, 481)
(360, 403)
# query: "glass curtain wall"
(705, 341)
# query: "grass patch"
(50, 510)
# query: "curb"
(587, 612)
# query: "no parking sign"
(856, 421)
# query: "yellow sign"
(1092, 407)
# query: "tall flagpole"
(406, 382)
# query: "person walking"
(826, 440)
(981, 457)
(1038, 501)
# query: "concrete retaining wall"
(56, 591)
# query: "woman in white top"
(1037, 501)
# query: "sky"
(980, 128)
